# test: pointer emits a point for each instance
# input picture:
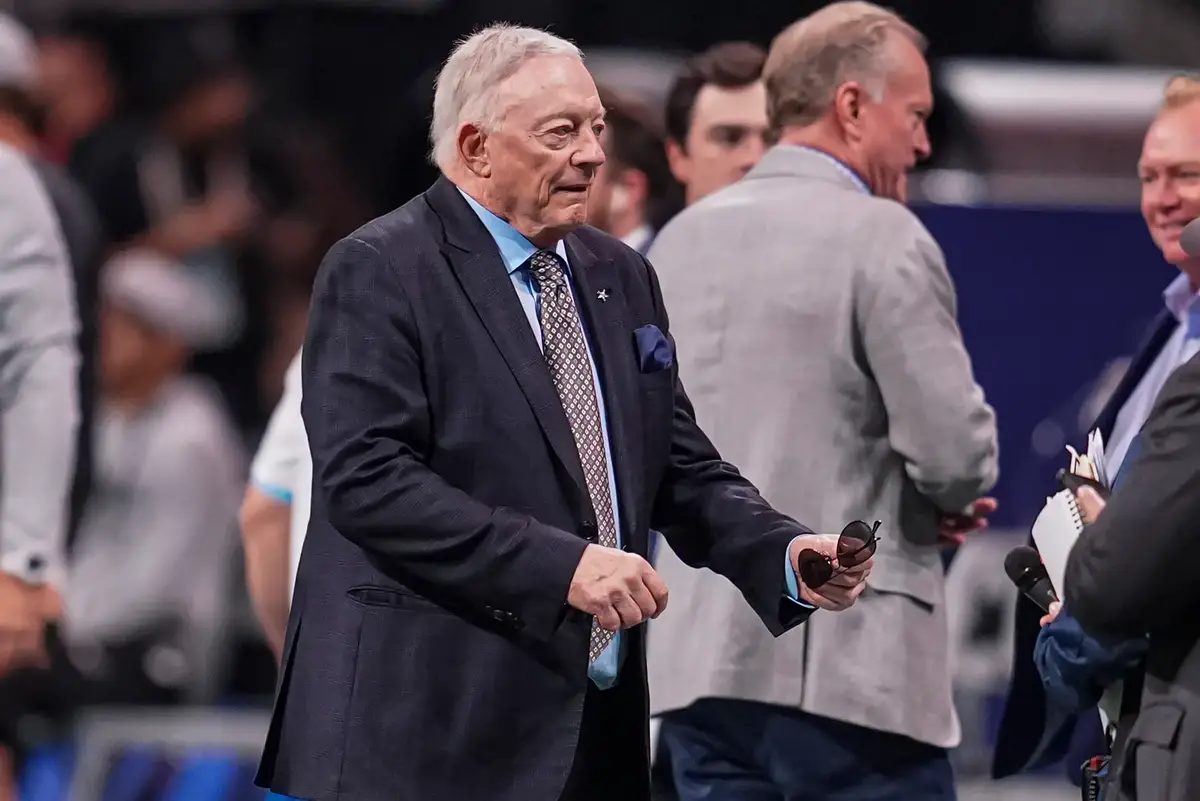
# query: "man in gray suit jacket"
(816, 328)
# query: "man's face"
(125, 343)
(726, 138)
(618, 197)
(540, 162)
(894, 137)
(131, 349)
(1169, 170)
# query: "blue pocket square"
(653, 349)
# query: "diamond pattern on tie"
(571, 370)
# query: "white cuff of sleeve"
(31, 567)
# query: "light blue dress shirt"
(515, 252)
(1182, 345)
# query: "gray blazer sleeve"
(39, 405)
(938, 421)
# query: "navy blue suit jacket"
(1027, 739)
(430, 652)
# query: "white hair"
(467, 87)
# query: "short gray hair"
(812, 57)
(466, 87)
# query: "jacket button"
(590, 532)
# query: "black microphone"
(1025, 569)
(1189, 238)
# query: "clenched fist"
(619, 589)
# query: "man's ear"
(677, 158)
(848, 104)
(472, 149)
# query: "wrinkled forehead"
(549, 86)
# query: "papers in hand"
(1092, 464)
(1060, 521)
(1054, 532)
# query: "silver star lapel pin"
(602, 295)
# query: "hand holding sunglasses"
(833, 570)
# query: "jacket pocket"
(1151, 768)
(919, 582)
(392, 598)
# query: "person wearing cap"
(150, 568)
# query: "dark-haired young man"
(716, 118)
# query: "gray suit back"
(816, 336)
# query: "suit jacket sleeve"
(369, 426)
(39, 364)
(715, 518)
(1135, 569)
(938, 421)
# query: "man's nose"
(921, 146)
(751, 152)
(1161, 195)
(589, 154)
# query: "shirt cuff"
(793, 585)
(274, 491)
(29, 567)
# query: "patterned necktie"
(571, 370)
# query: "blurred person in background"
(820, 346)
(634, 193)
(179, 183)
(39, 414)
(716, 118)
(1037, 728)
(243, 195)
(150, 568)
(275, 511)
(21, 123)
(80, 94)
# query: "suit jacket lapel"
(476, 261)
(1159, 333)
(606, 318)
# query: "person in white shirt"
(275, 511)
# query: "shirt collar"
(638, 237)
(1180, 298)
(842, 166)
(515, 249)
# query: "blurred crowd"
(191, 221)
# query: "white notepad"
(1054, 532)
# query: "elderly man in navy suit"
(496, 420)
